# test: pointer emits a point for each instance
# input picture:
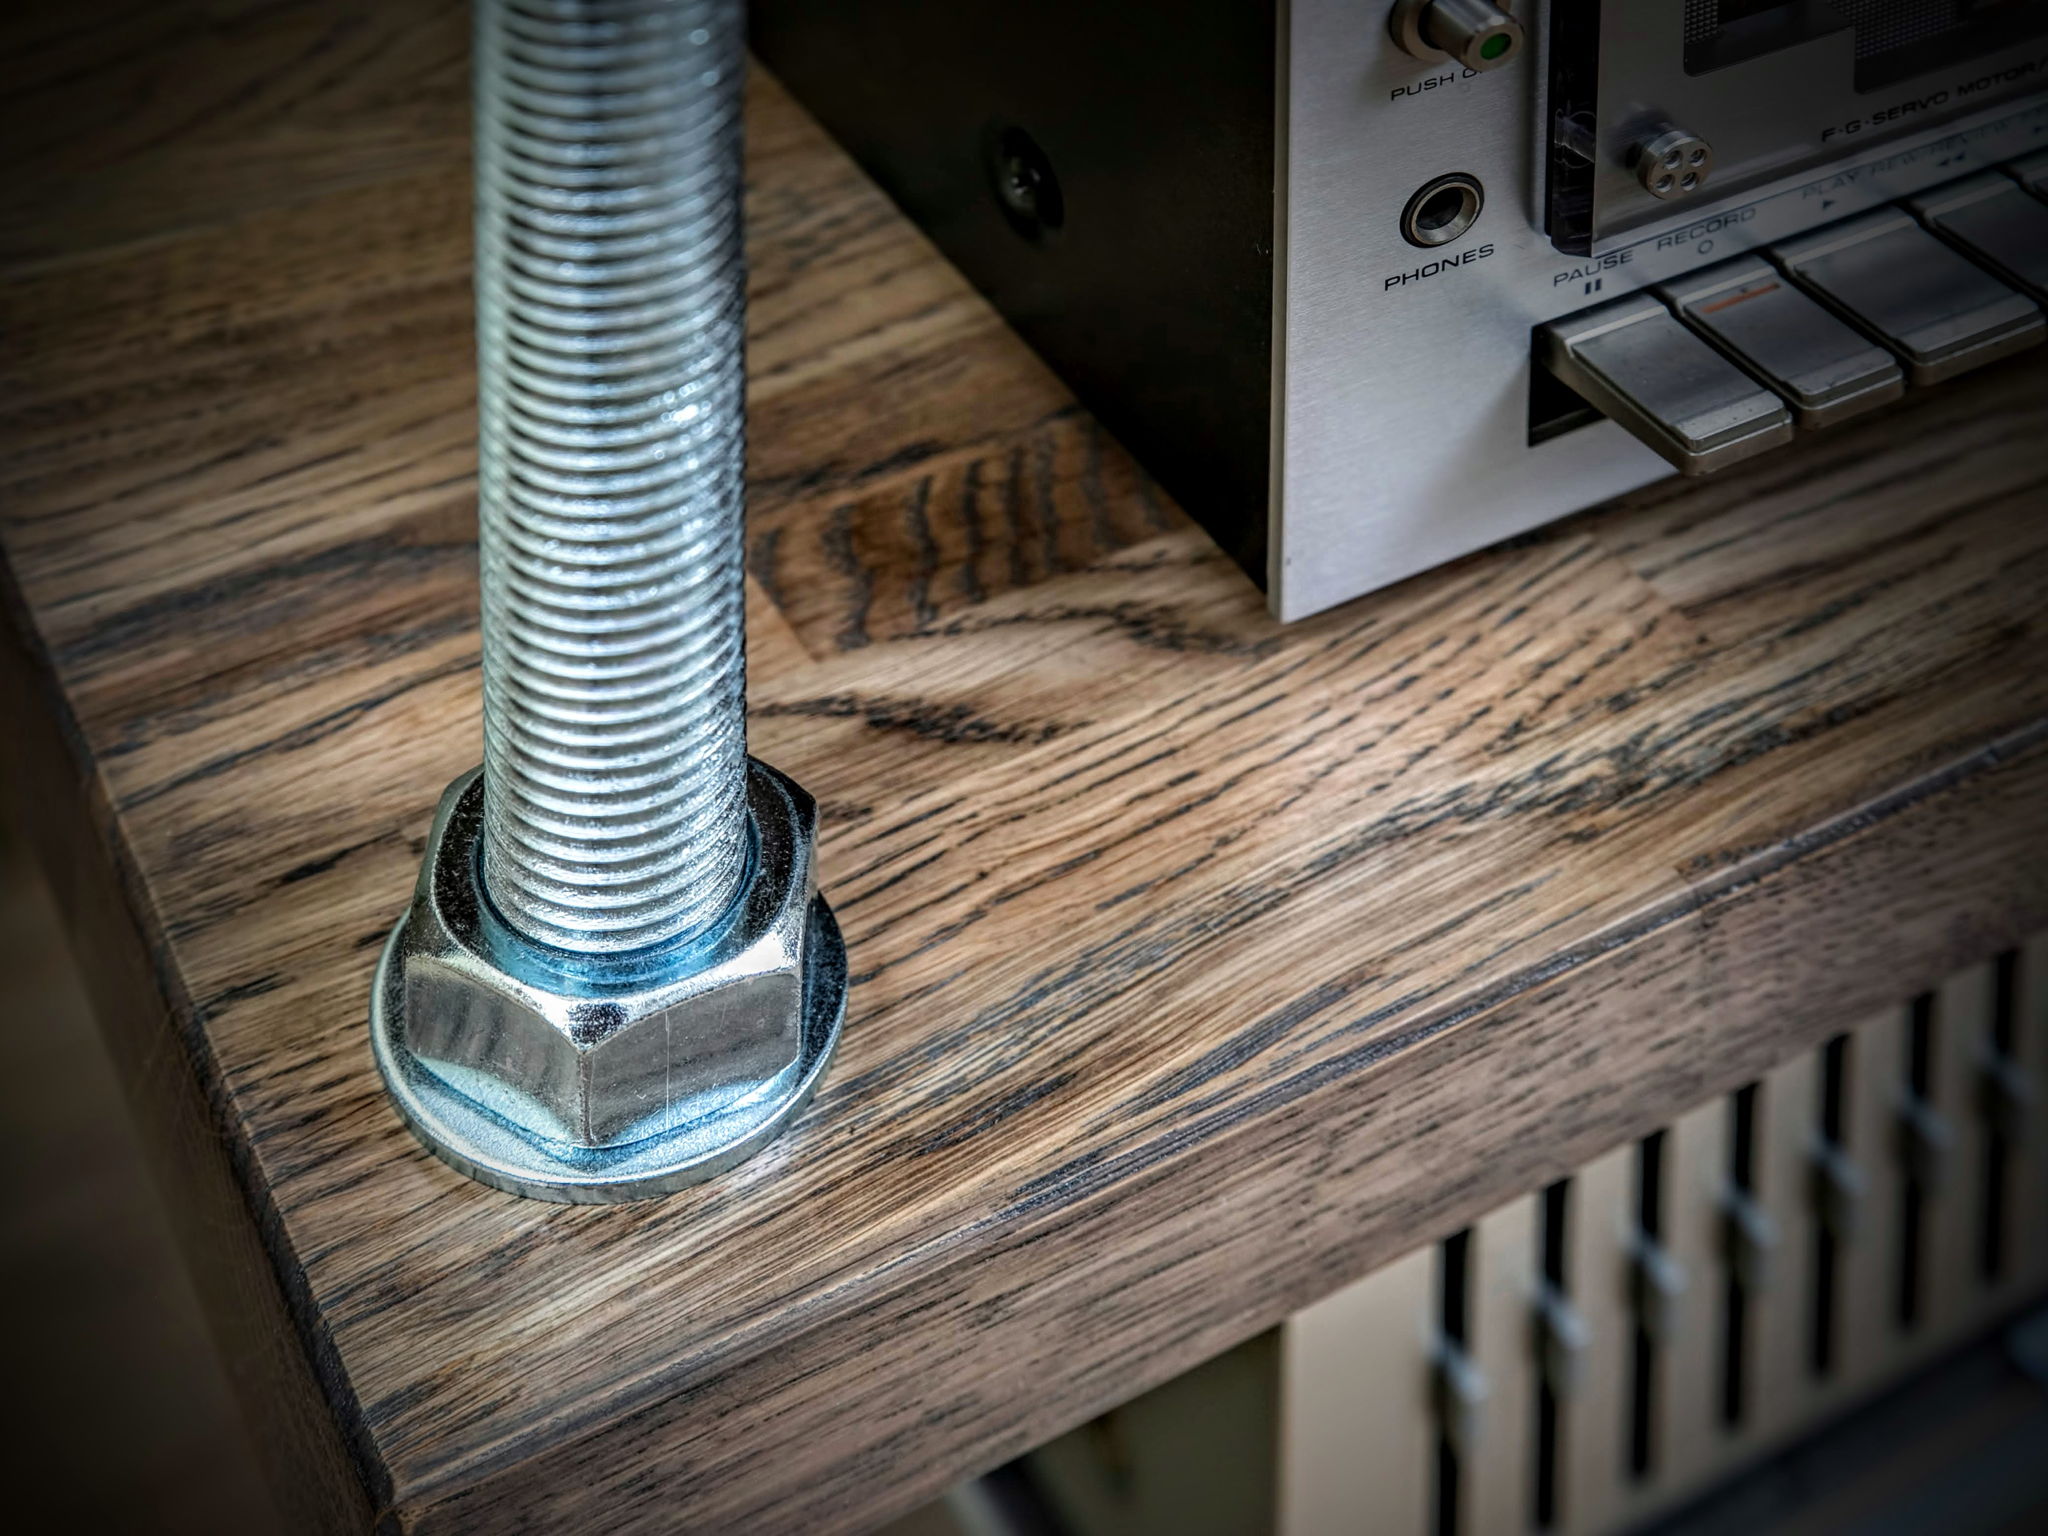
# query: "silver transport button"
(1996, 220)
(2031, 172)
(1636, 362)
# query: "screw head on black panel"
(1025, 184)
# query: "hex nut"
(597, 1054)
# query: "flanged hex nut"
(573, 1077)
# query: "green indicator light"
(1494, 46)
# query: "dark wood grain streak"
(128, 122)
(1199, 964)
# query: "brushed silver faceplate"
(1402, 374)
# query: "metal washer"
(490, 1149)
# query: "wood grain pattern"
(1200, 964)
(128, 122)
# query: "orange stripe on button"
(1738, 298)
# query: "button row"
(1717, 366)
(1823, 368)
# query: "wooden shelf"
(1200, 964)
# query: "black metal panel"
(1134, 250)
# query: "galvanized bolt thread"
(610, 325)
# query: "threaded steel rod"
(610, 321)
